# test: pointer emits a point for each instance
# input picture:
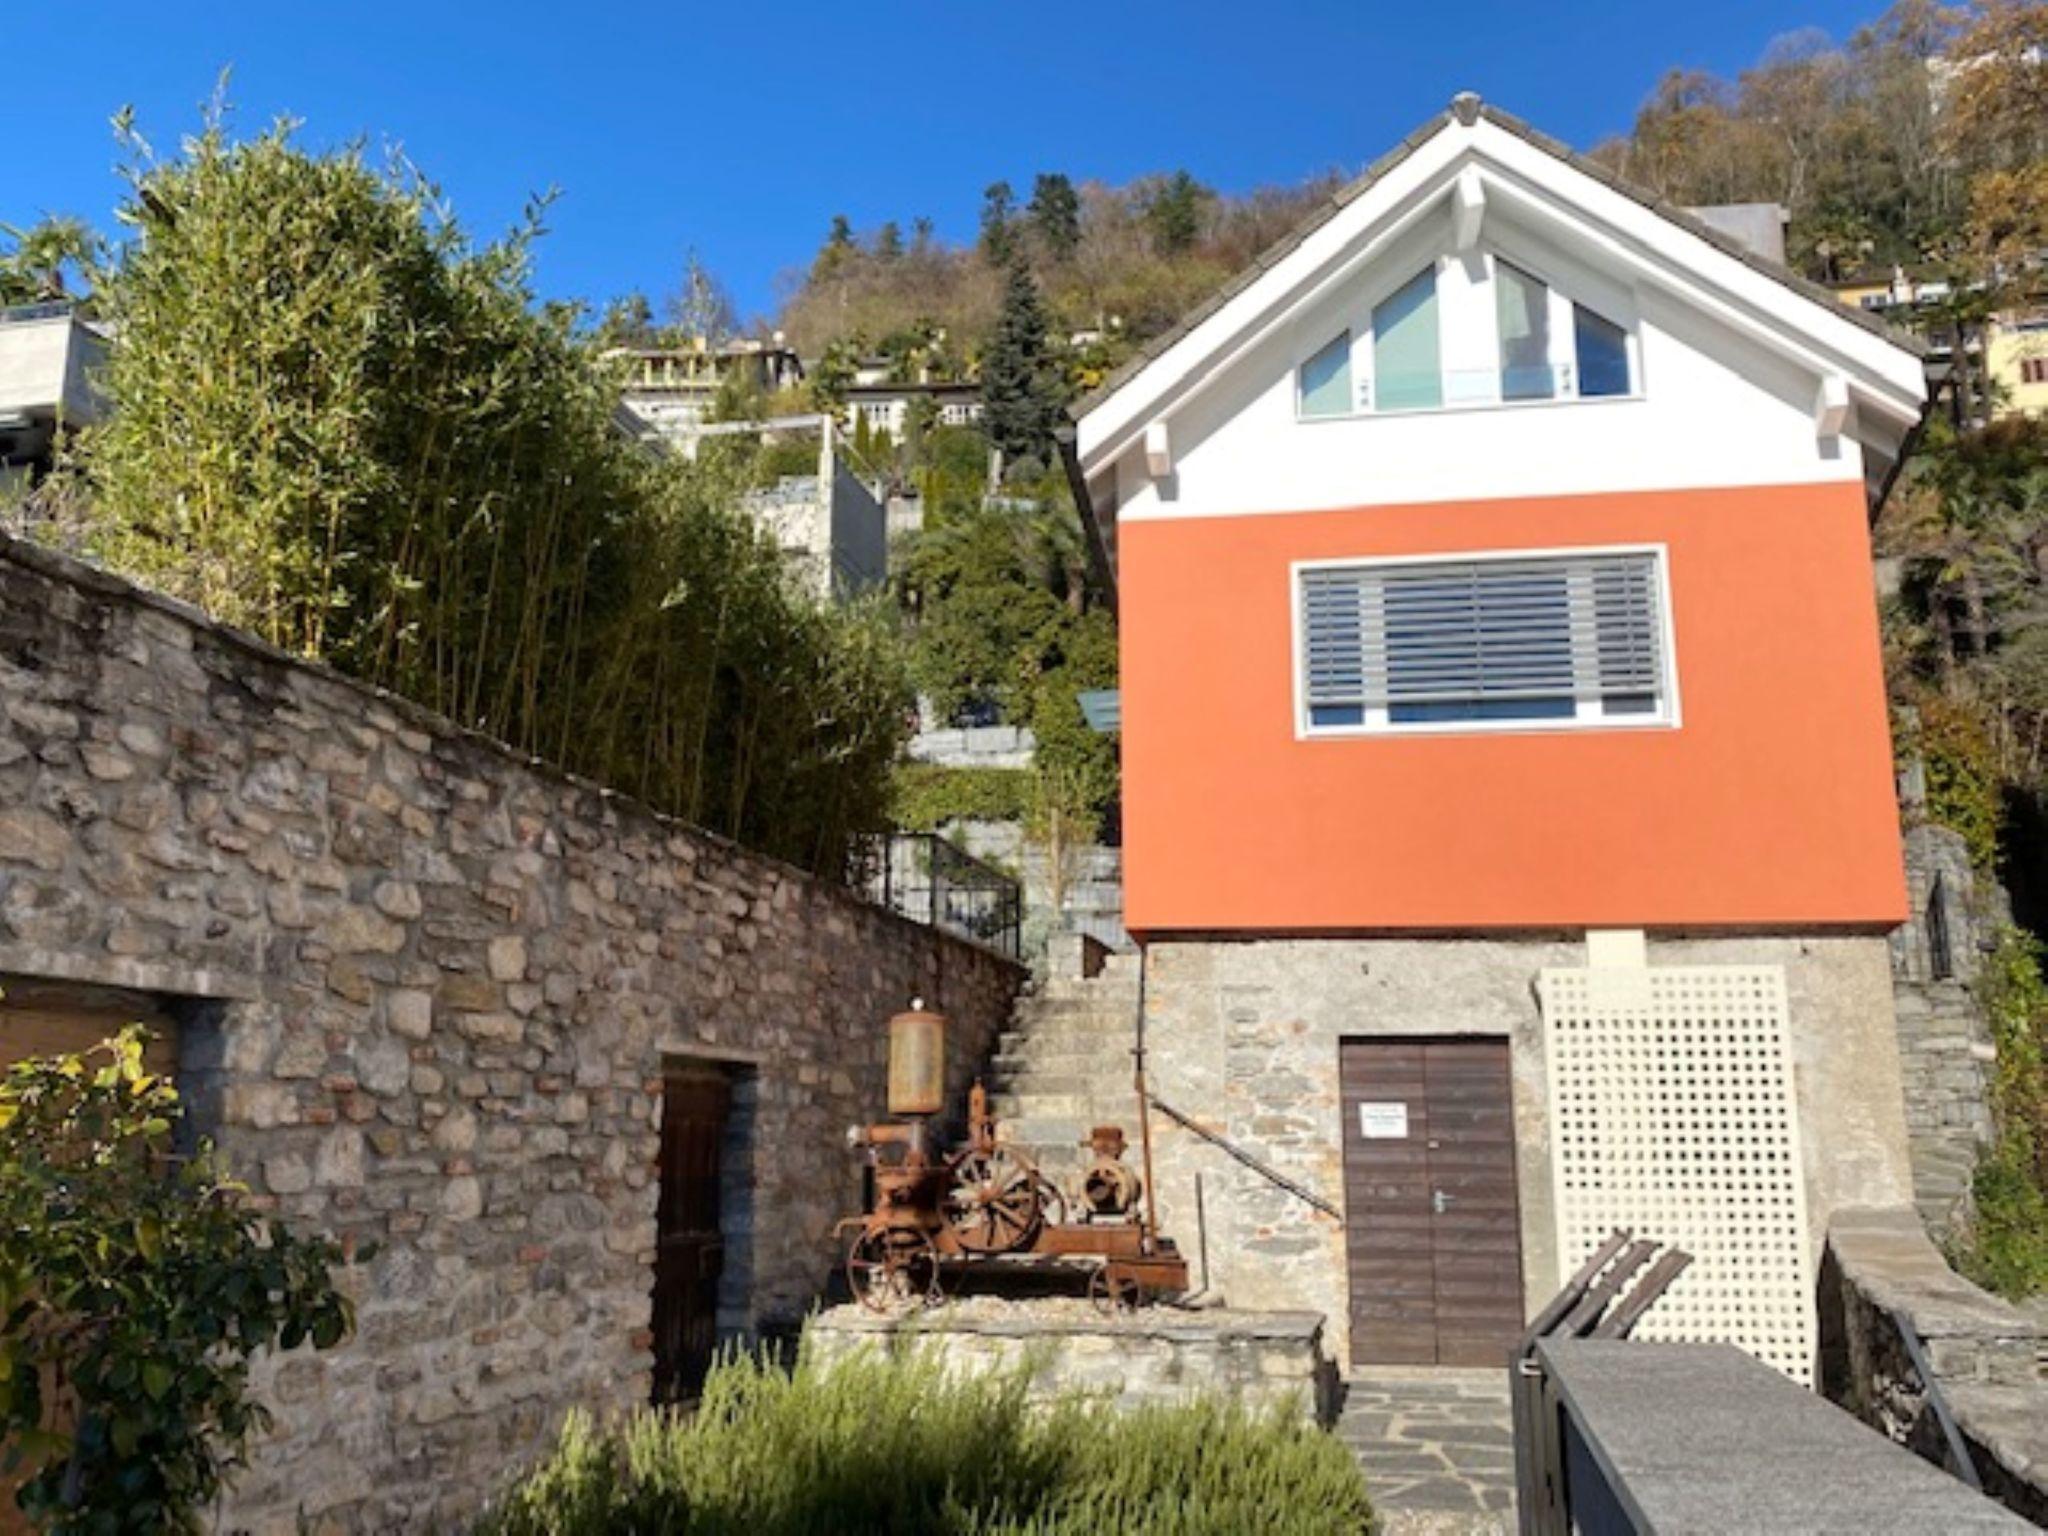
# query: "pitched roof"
(1466, 109)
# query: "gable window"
(1563, 640)
(1602, 354)
(1522, 306)
(1326, 380)
(1407, 364)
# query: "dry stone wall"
(427, 990)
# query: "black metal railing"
(926, 879)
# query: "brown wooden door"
(1433, 1222)
(690, 1248)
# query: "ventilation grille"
(1674, 1116)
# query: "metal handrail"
(1959, 1448)
(1250, 1160)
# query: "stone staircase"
(1064, 1065)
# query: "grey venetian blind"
(1472, 639)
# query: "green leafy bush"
(135, 1286)
(925, 796)
(873, 1443)
(2006, 1247)
(338, 423)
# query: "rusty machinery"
(934, 1211)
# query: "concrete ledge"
(1155, 1354)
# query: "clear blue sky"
(740, 129)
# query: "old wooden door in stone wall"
(690, 1250)
(1433, 1223)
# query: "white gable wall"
(1713, 411)
(1729, 362)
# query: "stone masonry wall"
(1945, 1049)
(427, 990)
(1243, 1037)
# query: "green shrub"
(135, 1287)
(2006, 1247)
(337, 422)
(874, 1443)
(924, 796)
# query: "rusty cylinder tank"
(917, 1061)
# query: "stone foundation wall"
(1945, 1049)
(1153, 1355)
(427, 990)
(1243, 1037)
(1880, 1275)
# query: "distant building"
(887, 407)
(672, 388)
(2016, 362)
(48, 353)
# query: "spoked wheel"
(1052, 1205)
(995, 1201)
(894, 1269)
(1112, 1294)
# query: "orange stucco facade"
(1769, 805)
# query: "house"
(47, 355)
(672, 388)
(889, 406)
(1508, 809)
(2016, 361)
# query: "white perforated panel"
(1673, 1115)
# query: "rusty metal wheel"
(1111, 1293)
(994, 1200)
(894, 1269)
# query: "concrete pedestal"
(1154, 1354)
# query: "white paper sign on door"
(1385, 1120)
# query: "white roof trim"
(1884, 378)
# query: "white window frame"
(1563, 347)
(1666, 717)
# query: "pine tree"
(998, 232)
(1175, 213)
(1020, 389)
(888, 242)
(1056, 215)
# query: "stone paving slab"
(1437, 1449)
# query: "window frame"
(1667, 717)
(1355, 321)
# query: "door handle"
(1439, 1202)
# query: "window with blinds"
(1575, 638)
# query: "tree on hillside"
(838, 248)
(35, 264)
(998, 224)
(1055, 213)
(1020, 382)
(628, 321)
(888, 241)
(701, 309)
(1174, 213)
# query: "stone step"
(1036, 1058)
(1100, 1043)
(1010, 1088)
(1023, 1108)
(1062, 1008)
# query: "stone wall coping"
(1214, 1325)
(1885, 1254)
(57, 566)
(2006, 1422)
(165, 977)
